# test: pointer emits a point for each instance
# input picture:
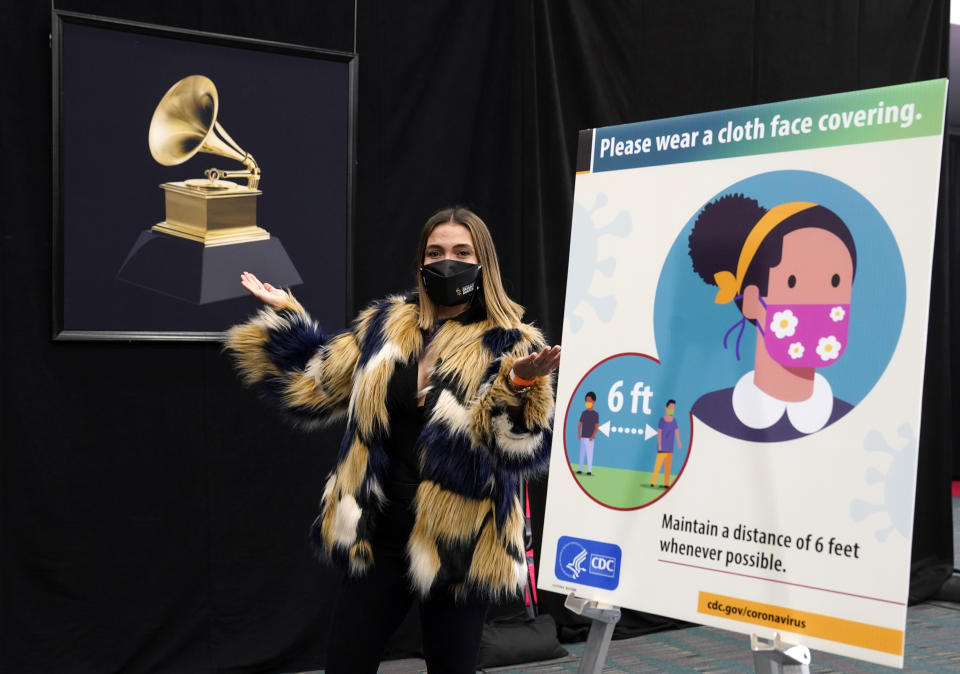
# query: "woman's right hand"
(266, 293)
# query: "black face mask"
(450, 282)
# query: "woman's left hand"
(537, 364)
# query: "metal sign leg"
(777, 657)
(603, 619)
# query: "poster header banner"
(868, 116)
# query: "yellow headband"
(728, 284)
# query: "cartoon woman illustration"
(790, 272)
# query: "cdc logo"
(603, 566)
(588, 562)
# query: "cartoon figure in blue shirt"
(587, 431)
(667, 432)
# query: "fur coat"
(479, 442)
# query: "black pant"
(370, 609)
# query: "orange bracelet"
(514, 379)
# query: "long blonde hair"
(500, 308)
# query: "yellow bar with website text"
(863, 635)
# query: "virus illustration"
(898, 495)
(584, 246)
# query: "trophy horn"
(185, 123)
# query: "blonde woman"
(448, 400)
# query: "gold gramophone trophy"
(210, 232)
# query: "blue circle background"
(689, 326)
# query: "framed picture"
(181, 160)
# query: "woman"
(448, 400)
(790, 271)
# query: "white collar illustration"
(757, 409)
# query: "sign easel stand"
(770, 656)
(773, 656)
(603, 618)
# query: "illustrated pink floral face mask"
(805, 335)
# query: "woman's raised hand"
(537, 364)
(266, 293)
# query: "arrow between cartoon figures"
(647, 432)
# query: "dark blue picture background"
(290, 112)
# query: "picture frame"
(147, 244)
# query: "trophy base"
(218, 213)
(188, 270)
(221, 237)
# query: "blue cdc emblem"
(588, 562)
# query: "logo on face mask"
(466, 290)
(806, 335)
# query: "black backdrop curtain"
(154, 514)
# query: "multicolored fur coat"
(479, 442)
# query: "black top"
(403, 476)
(406, 423)
(407, 420)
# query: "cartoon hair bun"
(719, 233)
